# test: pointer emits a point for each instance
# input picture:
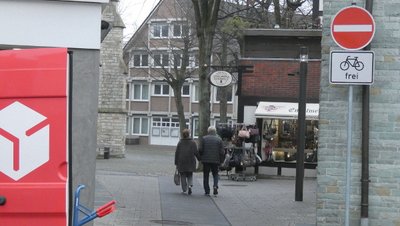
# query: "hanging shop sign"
(220, 78)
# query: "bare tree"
(206, 15)
(274, 13)
(174, 63)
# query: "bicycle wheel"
(344, 65)
(359, 66)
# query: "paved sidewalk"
(143, 187)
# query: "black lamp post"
(301, 121)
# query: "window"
(180, 30)
(128, 92)
(140, 60)
(127, 128)
(195, 127)
(140, 92)
(161, 89)
(161, 60)
(178, 60)
(196, 93)
(160, 30)
(140, 125)
(137, 125)
(218, 94)
(193, 60)
(168, 122)
(186, 90)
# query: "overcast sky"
(134, 12)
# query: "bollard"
(106, 152)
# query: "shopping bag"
(177, 178)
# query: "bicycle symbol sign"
(351, 67)
(353, 62)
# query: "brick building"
(273, 83)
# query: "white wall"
(249, 116)
(72, 24)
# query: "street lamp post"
(301, 124)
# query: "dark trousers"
(207, 167)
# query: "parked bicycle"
(353, 62)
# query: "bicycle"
(354, 62)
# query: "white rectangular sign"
(352, 67)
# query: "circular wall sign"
(220, 78)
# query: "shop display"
(240, 149)
(279, 140)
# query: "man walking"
(211, 152)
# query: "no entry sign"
(353, 28)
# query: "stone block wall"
(384, 142)
(111, 126)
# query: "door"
(33, 137)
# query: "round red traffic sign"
(353, 28)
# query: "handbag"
(177, 178)
(254, 131)
(244, 133)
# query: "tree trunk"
(206, 13)
(179, 108)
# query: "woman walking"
(185, 160)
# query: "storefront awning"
(285, 110)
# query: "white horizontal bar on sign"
(352, 28)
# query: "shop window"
(282, 136)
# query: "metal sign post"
(348, 162)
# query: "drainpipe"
(365, 141)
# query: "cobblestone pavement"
(142, 185)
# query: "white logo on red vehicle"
(24, 140)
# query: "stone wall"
(112, 113)
(384, 143)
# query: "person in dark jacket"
(185, 160)
(211, 154)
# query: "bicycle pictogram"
(353, 62)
